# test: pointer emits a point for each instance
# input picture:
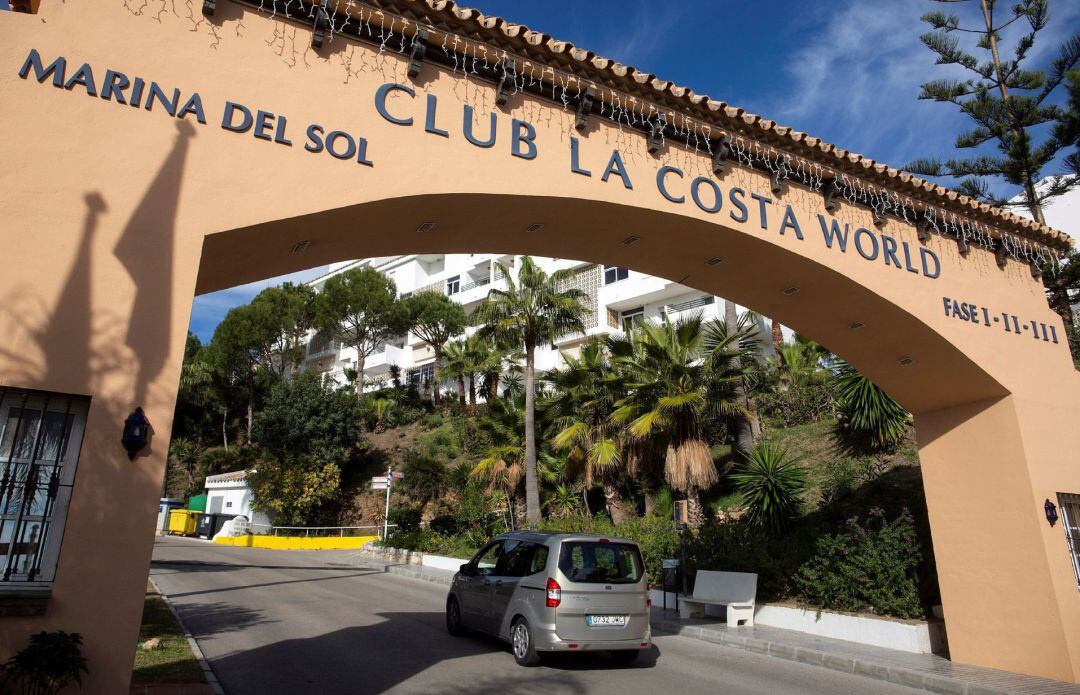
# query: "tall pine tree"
(1007, 101)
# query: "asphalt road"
(309, 622)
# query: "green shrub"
(425, 478)
(771, 483)
(446, 524)
(871, 566)
(406, 518)
(797, 406)
(49, 663)
(730, 545)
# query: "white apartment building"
(616, 298)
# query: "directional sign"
(379, 486)
(379, 479)
(397, 474)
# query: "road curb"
(934, 683)
(208, 672)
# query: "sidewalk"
(922, 671)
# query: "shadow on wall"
(81, 345)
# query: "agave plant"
(771, 483)
(867, 410)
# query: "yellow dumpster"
(182, 522)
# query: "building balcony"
(380, 362)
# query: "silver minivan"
(554, 592)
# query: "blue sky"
(847, 71)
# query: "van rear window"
(596, 562)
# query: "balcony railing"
(704, 300)
(475, 283)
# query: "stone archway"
(122, 200)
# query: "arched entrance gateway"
(153, 149)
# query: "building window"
(1070, 519)
(613, 273)
(633, 318)
(424, 374)
(40, 437)
(453, 285)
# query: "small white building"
(228, 493)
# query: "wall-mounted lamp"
(1051, 512)
(136, 433)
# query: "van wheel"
(521, 643)
(625, 657)
(453, 618)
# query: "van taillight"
(554, 593)
(648, 596)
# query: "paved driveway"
(309, 622)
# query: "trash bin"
(219, 521)
(183, 522)
(669, 576)
(205, 527)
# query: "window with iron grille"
(40, 437)
(613, 273)
(1070, 520)
(453, 285)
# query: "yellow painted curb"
(297, 543)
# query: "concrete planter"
(917, 637)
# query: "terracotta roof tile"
(619, 76)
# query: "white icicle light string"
(624, 109)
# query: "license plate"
(606, 620)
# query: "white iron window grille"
(1070, 520)
(40, 438)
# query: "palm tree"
(455, 365)
(581, 407)
(801, 363)
(502, 466)
(667, 368)
(536, 309)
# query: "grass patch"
(173, 660)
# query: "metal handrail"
(475, 283)
(704, 300)
(273, 530)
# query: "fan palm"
(584, 397)
(533, 310)
(502, 466)
(666, 367)
(455, 365)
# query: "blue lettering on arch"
(57, 68)
(380, 101)
(84, 76)
(615, 166)
(467, 128)
(736, 196)
(791, 222)
(834, 233)
(695, 193)
(662, 186)
(526, 138)
(861, 233)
